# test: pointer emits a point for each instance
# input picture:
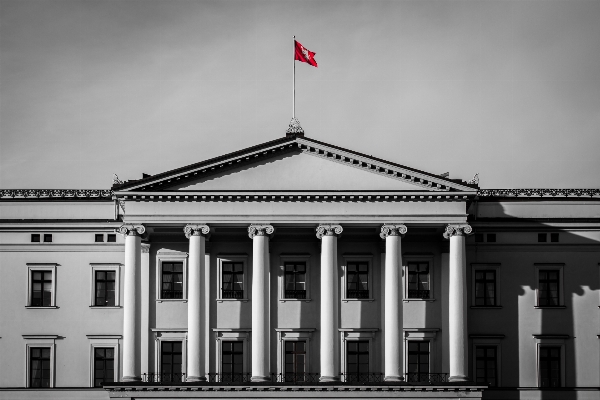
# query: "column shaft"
(393, 310)
(196, 320)
(457, 309)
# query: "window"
(232, 361)
(491, 237)
(549, 366)
(39, 367)
(35, 237)
(479, 238)
(486, 365)
(357, 280)
(233, 280)
(295, 361)
(104, 285)
(47, 237)
(171, 270)
(485, 288)
(111, 238)
(172, 280)
(104, 365)
(542, 237)
(418, 361)
(42, 285)
(98, 238)
(550, 289)
(293, 355)
(554, 237)
(357, 359)
(171, 361)
(418, 280)
(295, 280)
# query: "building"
(298, 268)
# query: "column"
(393, 301)
(196, 319)
(330, 340)
(457, 302)
(260, 302)
(131, 302)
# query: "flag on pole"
(301, 53)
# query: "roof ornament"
(294, 129)
(475, 180)
(116, 180)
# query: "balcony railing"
(232, 294)
(357, 294)
(296, 378)
(163, 377)
(295, 294)
(418, 294)
(371, 377)
(171, 294)
(430, 378)
(229, 378)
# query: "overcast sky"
(506, 89)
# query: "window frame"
(295, 335)
(286, 258)
(31, 267)
(232, 335)
(224, 258)
(357, 335)
(421, 335)
(561, 283)
(487, 340)
(551, 341)
(170, 335)
(104, 341)
(40, 341)
(347, 258)
(116, 268)
(163, 256)
(418, 258)
(486, 267)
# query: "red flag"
(301, 53)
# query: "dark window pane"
(99, 237)
(554, 237)
(41, 289)
(172, 280)
(35, 237)
(111, 238)
(47, 237)
(39, 367)
(541, 237)
(491, 237)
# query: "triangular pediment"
(295, 164)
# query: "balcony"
(418, 294)
(295, 294)
(232, 294)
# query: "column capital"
(145, 247)
(392, 230)
(196, 230)
(260, 230)
(457, 230)
(329, 230)
(132, 230)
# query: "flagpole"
(294, 84)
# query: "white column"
(457, 302)
(260, 302)
(145, 309)
(394, 370)
(330, 339)
(131, 302)
(196, 321)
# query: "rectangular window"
(171, 362)
(554, 237)
(549, 284)
(47, 237)
(35, 238)
(418, 280)
(98, 237)
(232, 361)
(491, 237)
(233, 280)
(550, 374)
(486, 365)
(485, 287)
(295, 361)
(39, 364)
(542, 237)
(357, 275)
(295, 280)
(105, 288)
(111, 238)
(357, 361)
(172, 280)
(41, 289)
(104, 365)
(479, 238)
(418, 361)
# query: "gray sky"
(508, 89)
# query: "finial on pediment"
(294, 129)
(475, 180)
(116, 180)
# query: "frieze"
(55, 193)
(539, 193)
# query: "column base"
(196, 379)
(459, 378)
(260, 379)
(329, 379)
(394, 379)
(131, 379)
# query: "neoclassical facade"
(296, 267)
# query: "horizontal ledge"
(169, 329)
(242, 300)
(171, 300)
(40, 308)
(358, 329)
(421, 329)
(407, 300)
(487, 336)
(40, 336)
(104, 336)
(548, 336)
(550, 307)
(106, 307)
(305, 300)
(232, 329)
(295, 329)
(487, 307)
(347, 300)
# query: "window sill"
(407, 300)
(171, 300)
(551, 307)
(305, 300)
(487, 307)
(40, 308)
(347, 300)
(105, 307)
(222, 300)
